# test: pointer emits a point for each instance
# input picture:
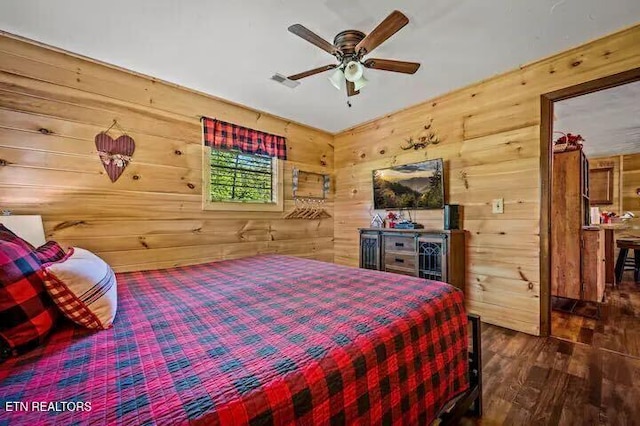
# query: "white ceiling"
(608, 120)
(231, 48)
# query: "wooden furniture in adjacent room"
(578, 256)
(610, 230)
(625, 245)
(435, 255)
(593, 264)
(601, 186)
(570, 207)
(609, 256)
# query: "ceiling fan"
(350, 47)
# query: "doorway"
(582, 299)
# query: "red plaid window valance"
(221, 135)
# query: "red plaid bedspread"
(259, 341)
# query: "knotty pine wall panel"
(490, 143)
(52, 104)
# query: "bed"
(262, 340)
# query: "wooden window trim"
(278, 189)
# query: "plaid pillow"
(50, 252)
(27, 313)
(7, 234)
(84, 288)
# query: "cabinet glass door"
(432, 259)
(370, 251)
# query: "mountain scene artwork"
(411, 186)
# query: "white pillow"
(84, 287)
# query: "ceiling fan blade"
(391, 25)
(351, 89)
(313, 38)
(312, 72)
(390, 65)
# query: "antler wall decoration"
(428, 138)
(463, 177)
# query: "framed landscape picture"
(410, 186)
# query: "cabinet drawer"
(401, 271)
(399, 243)
(401, 261)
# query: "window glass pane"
(236, 176)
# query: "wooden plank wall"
(490, 135)
(52, 104)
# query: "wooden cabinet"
(434, 255)
(593, 264)
(569, 213)
(577, 250)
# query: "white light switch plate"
(497, 205)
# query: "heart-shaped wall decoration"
(115, 154)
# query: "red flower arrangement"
(567, 142)
(392, 218)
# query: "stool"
(625, 245)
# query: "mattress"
(259, 341)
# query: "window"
(241, 177)
(238, 181)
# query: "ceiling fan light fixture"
(349, 47)
(337, 79)
(359, 84)
(353, 71)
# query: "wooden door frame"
(546, 183)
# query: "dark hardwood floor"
(618, 327)
(532, 380)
